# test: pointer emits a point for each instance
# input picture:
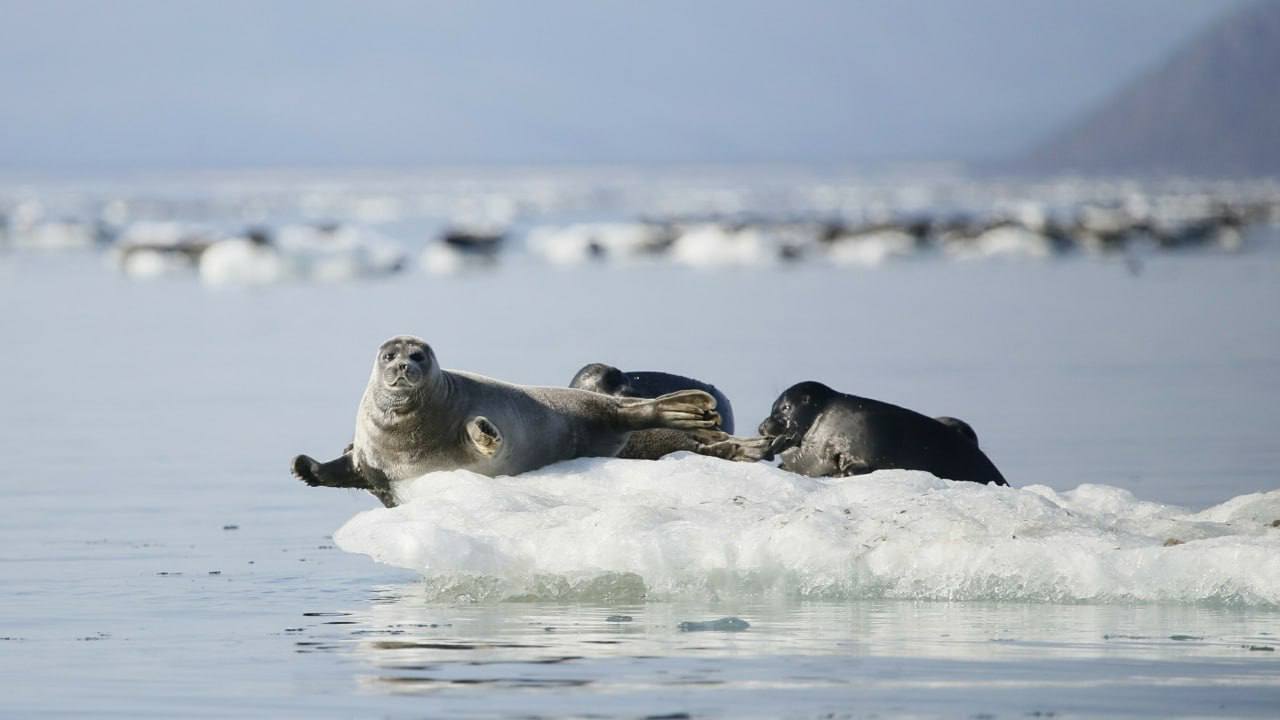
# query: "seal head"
(602, 378)
(405, 367)
(794, 412)
(960, 426)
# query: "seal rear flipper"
(683, 410)
(739, 449)
(335, 473)
(708, 437)
(992, 475)
(484, 436)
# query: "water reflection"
(403, 643)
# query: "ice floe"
(692, 525)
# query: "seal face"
(653, 444)
(416, 417)
(402, 367)
(818, 431)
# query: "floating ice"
(576, 244)
(150, 249)
(301, 252)
(1003, 240)
(439, 259)
(724, 624)
(240, 261)
(714, 245)
(55, 235)
(144, 263)
(597, 529)
(872, 248)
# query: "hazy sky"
(122, 85)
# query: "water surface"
(156, 558)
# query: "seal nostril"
(404, 366)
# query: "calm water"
(156, 558)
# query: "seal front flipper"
(335, 473)
(683, 410)
(776, 445)
(484, 436)
(845, 464)
(342, 473)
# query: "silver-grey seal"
(416, 417)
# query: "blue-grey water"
(156, 558)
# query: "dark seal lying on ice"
(416, 417)
(653, 444)
(823, 433)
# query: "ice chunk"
(699, 526)
(724, 624)
(583, 242)
(238, 261)
(714, 245)
(872, 248)
(301, 252)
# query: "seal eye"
(417, 357)
(389, 357)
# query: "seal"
(653, 444)
(416, 417)
(820, 432)
(607, 379)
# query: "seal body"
(653, 444)
(818, 431)
(416, 417)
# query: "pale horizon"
(149, 86)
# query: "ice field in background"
(278, 227)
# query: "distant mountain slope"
(1213, 109)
